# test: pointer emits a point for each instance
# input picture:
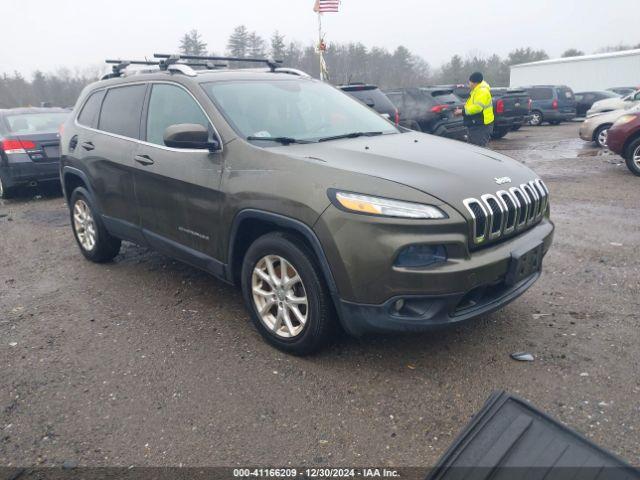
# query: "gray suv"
(323, 212)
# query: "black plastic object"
(510, 439)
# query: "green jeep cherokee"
(319, 208)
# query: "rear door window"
(121, 110)
(89, 114)
(171, 105)
(541, 94)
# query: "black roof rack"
(272, 64)
(120, 65)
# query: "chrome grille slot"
(496, 215)
(523, 206)
(511, 210)
(479, 219)
(533, 202)
(505, 212)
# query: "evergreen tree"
(192, 44)
(238, 43)
(277, 46)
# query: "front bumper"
(468, 284)
(586, 133)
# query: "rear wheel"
(632, 157)
(288, 302)
(95, 243)
(536, 118)
(499, 133)
(600, 135)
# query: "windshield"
(35, 122)
(304, 110)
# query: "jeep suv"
(317, 207)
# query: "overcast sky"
(48, 34)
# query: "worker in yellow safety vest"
(478, 111)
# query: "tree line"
(347, 62)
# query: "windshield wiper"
(282, 140)
(350, 135)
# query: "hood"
(609, 104)
(446, 169)
(600, 118)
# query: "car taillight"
(554, 104)
(17, 146)
(397, 117)
(439, 108)
(500, 106)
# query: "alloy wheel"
(84, 225)
(602, 137)
(536, 119)
(279, 296)
(636, 156)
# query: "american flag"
(323, 6)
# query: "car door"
(178, 190)
(108, 152)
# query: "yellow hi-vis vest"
(480, 102)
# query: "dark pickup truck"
(512, 109)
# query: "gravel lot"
(146, 361)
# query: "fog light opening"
(421, 256)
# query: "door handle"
(143, 159)
(88, 145)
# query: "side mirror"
(189, 135)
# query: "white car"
(610, 104)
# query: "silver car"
(611, 104)
(595, 128)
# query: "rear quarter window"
(541, 94)
(565, 94)
(122, 109)
(91, 109)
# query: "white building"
(589, 72)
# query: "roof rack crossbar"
(272, 64)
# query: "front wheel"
(536, 118)
(600, 136)
(633, 157)
(95, 243)
(288, 302)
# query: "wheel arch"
(600, 127)
(250, 224)
(73, 178)
(632, 138)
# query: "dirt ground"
(146, 361)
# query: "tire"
(600, 135)
(515, 128)
(86, 225)
(287, 332)
(632, 156)
(499, 133)
(536, 118)
(5, 192)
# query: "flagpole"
(320, 46)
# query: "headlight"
(625, 119)
(355, 202)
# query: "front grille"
(496, 215)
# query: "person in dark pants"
(478, 111)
